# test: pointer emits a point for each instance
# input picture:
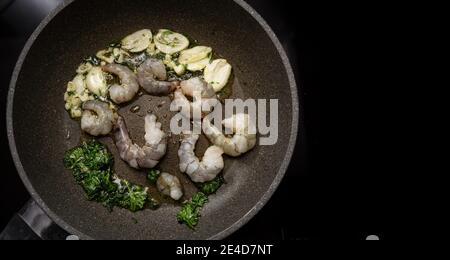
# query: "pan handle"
(31, 223)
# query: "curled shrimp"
(138, 157)
(129, 86)
(170, 185)
(203, 96)
(151, 76)
(243, 140)
(191, 86)
(199, 171)
(97, 118)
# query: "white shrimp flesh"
(152, 77)
(203, 97)
(243, 140)
(138, 157)
(199, 171)
(129, 87)
(191, 86)
(170, 185)
(97, 118)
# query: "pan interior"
(41, 125)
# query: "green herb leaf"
(199, 199)
(153, 175)
(90, 156)
(91, 164)
(173, 76)
(190, 212)
(159, 56)
(93, 60)
(135, 61)
(211, 187)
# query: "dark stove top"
(293, 212)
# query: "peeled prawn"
(199, 171)
(97, 118)
(169, 185)
(138, 157)
(243, 140)
(129, 86)
(203, 96)
(191, 86)
(152, 75)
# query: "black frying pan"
(38, 125)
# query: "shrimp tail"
(138, 157)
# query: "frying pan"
(40, 130)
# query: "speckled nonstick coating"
(38, 124)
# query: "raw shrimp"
(97, 118)
(170, 185)
(138, 157)
(182, 104)
(191, 86)
(199, 171)
(243, 140)
(203, 96)
(129, 86)
(152, 75)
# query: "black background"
(335, 184)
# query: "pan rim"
(224, 233)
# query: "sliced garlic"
(96, 82)
(179, 69)
(199, 65)
(194, 54)
(120, 55)
(73, 97)
(105, 55)
(217, 73)
(151, 50)
(168, 60)
(79, 84)
(75, 113)
(170, 42)
(116, 52)
(84, 68)
(86, 97)
(137, 41)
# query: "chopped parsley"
(153, 175)
(91, 164)
(159, 56)
(190, 212)
(211, 187)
